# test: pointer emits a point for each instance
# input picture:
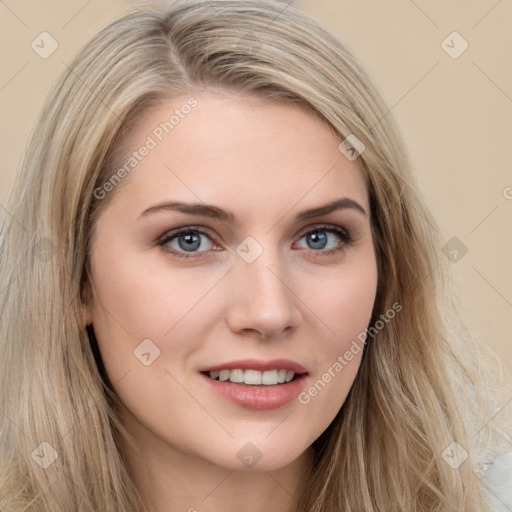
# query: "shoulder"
(497, 479)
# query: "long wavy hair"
(423, 383)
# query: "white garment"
(497, 479)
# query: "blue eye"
(189, 241)
(319, 237)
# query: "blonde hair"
(423, 381)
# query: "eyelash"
(328, 228)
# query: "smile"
(256, 384)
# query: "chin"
(260, 453)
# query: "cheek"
(344, 306)
(141, 296)
(146, 329)
(344, 301)
(136, 301)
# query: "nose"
(262, 299)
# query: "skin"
(266, 162)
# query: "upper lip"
(258, 364)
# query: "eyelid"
(170, 233)
(319, 227)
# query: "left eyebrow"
(339, 204)
(211, 211)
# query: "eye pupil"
(319, 239)
(191, 239)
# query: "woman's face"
(252, 283)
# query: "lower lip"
(260, 398)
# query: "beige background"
(456, 114)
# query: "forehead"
(220, 147)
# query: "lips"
(256, 384)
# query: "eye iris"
(318, 237)
(193, 241)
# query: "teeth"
(253, 377)
(236, 376)
(269, 378)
